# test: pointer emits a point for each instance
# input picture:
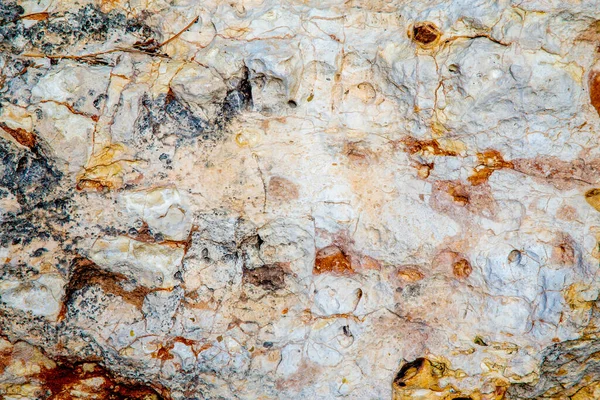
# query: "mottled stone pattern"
(269, 199)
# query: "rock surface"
(312, 200)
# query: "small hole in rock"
(514, 256)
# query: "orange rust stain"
(489, 161)
(462, 268)
(332, 260)
(164, 352)
(424, 169)
(594, 84)
(426, 147)
(410, 274)
(23, 137)
(41, 16)
(204, 347)
(186, 341)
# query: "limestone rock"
(311, 200)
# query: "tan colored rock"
(151, 265)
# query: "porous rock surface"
(269, 199)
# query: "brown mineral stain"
(591, 34)
(567, 213)
(563, 252)
(452, 262)
(426, 34)
(594, 85)
(358, 154)
(86, 273)
(426, 147)
(332, 260)
(462, 268)
(459, 194)
(186, 341)
(73, 110)
(489, 161)
(90, 381)
(23, 137)
(270, 277)
(144, 235)
(424, 169)
(282, 189)
(564, 175)
(367, 263)
(455, 197)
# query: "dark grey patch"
(564, 366)
(346, 330)
(170, 115)
(34, 181)
(413, 290)
(167, 115)
(61, 30)
(237, 99)
(39, 252)
(187, 124)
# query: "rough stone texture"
(282, 199)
